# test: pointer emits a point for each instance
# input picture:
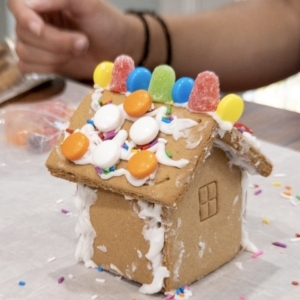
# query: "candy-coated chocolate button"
(182, 89)
(137, 103)
(144, 130)
(107, 118)
(103, 73)
(230, 108)
(75, 146)
(138, 79)
(142, 164)
(106, 154)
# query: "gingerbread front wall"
(202, 234)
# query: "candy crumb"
(297, 197)
(94, 297)
(276, 183)
(295, 239)
(60, 201)
(100, 280)
(239, 265)
(258, 253)
(295, 282)
(297, 234)
(22, 283)
(61, 280)
(51, 259)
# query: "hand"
(69, 37)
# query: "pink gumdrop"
(123, 65)
(205, 94)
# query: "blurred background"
(284, 94)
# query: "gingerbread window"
(207, 201)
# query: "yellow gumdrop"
(230, 108)
(103, 73)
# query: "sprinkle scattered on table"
(239, 265)
(22, 283)
(295, 239)
(295, 282)
(279, 175)
(61, 280)
(94, 297)
(265, 221)
(100, 280)
(64, 211)
(276, 183)
(279, 244)
(257, 192)
(71, 276)
(99, 269)
(258, 253)
(60, 201)
(51, 259)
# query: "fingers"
(55, 40)
(26, 17)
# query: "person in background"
(247, 44)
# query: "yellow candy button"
(103, 73)
(137, 103)
(230, 108)
(75, 146)
(142, 164)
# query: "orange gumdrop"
(75, 146)
(142, 164)
(137, 103)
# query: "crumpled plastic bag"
(35, 126)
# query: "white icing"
(153, 232)
(202, 247)
(245, 242)
(139, 253)
(84, 198)
(113, 267)
(235, 200)
(178, 263)
(102, 248)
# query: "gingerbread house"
(184, 217)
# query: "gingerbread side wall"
(120, 246)
(206, 227)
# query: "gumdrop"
(123, 65)
(230, 108)
(103, 73)
(138, 79)
(182, 89)
(205, 94)
(161, 84)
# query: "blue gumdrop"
(182, 89)
(138, 79)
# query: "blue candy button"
(138, 79)
(182, 89)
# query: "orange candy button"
(142, 164)
(137, 103)
(75, 146)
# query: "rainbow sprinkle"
(256, 254)
(22, 283)
(61, 280)
(278, 244)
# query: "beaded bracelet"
(140, 15)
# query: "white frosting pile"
(153, 232)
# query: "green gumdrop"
(161, 84)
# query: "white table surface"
(33, 229)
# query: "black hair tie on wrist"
(147, 35)
(165, 29)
